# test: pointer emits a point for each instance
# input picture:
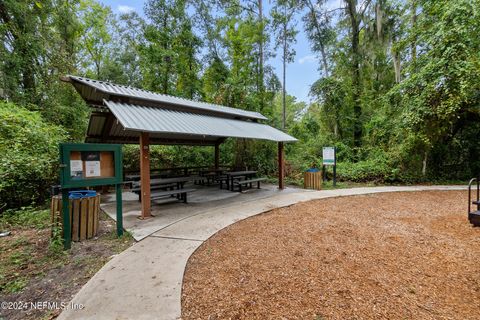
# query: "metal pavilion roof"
(122, 113)
(156, 120)
(95, 91)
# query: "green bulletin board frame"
(67, 182)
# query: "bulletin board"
(90, 164)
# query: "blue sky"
(300, 74)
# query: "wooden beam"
(145, 174)
(217, 155)
(281, 166)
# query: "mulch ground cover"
(410, 255)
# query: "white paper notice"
(92, 169)
(76, 168)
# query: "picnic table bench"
(236, 175)
(248, 181)
(180, 193)
(165, 186)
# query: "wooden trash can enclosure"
(84, 214)
(312, 180)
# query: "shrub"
(29, 149)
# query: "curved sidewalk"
(145, 281)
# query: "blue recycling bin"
(79, 194)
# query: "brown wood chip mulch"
(385, 256)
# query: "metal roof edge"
(126, 127)
(85, 81)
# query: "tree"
(98, 24)
(168, 56)
(283, 14)
(318, 30)
(440, 98)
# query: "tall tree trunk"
(165, 76)
(356, 84)
(261, 44)
(378, 19)
(397, 66)
(313, 13)
(284, 91)
(424, 163)
(414, 26)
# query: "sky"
(301, 73)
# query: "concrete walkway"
(145, 281)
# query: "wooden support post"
(281, 166)
(145, 174)
(217, 155)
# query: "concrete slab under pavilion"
(169, 211)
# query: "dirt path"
(389, 256)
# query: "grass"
(30, 254)
(326, 185)
(297, 181)
(25, 217)
(20, 257)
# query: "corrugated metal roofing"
(151, 119)
(135, 93)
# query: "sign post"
(329, 155)
(88, 165)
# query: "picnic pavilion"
(126, 115)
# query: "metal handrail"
(469, 193)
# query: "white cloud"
(307, 59)
(125, 9)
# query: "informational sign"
(87, 165)
(329, 159)
(76, 169)
(328, 156)
(92, 169)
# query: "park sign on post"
(329, 156)
(87, 165)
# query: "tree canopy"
(397, 89)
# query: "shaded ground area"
(31, 270)
(169, 211)
(384, 256)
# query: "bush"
(365, 171)
(29, 149)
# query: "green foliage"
(14, 286)
(27, 217)
(169, 157)
(29, 148)
(95, 32)
(168, 57)
(397, 94)
(55, 247)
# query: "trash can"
(312, 179)
(84, 213)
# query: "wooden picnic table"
(136, 177)
(178, 181)
(236, 174)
